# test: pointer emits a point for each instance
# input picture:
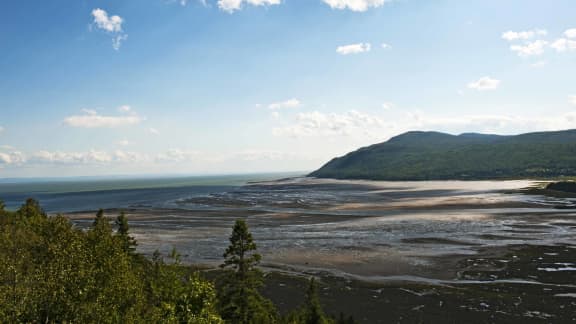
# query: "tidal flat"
(417, 251)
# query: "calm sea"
(87, 194)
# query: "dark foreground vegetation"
(53, 272)
(439, 156)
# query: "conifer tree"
(313, 313)
(31, 208)
(240, 301)
(128, 242)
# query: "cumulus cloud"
(110, 24)
(322, 124)
(355, 5)
(91, 119)
(290, 103)
(572, 100)
(526, 47)
(570, 33)
(530, 49)
(11, 157)
(563, 45)
(353, 48)
(484, 83)
(233, 5)
(523, 35)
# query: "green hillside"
(439, 156)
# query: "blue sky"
(232, 86)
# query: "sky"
(121, 87)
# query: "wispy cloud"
(530, 49)
(484, 83)
(523, 35)
(355, 5)
(111, 25)
(563, 45)
(323, 124)
(290, 103)
(353, 48)
(91, 119)
(234, 5)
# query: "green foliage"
(128, 242)
(311, 311)
(239, 298)
(438, 156)
(52, 272)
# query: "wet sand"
(360, 228)
(404, 248)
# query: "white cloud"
(573, 100)
(176, 155)
(117, 41)
(125, 109)
(321, 124)
(91, 119)
(563, 45)
(130, 157)
(530, 49)
(11, 157)
(154, 131)
(233, 5)
(110, 24)
(275, 115)
(570, 33)
(353, 48)
(1, 129)
(355, 5)
(484, 83)
(290, 103)
(90, 157)
(388, 105)
(385, 46)
(523, 35)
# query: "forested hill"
(438, 156)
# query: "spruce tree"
(313, 313)
(240, 301)
(128, 242)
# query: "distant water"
(87, 194)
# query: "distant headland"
(420, 155)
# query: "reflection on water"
(359, 227)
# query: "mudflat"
(445, 248)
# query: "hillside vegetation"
(439, 156)
(53, 272)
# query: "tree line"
(54, 272)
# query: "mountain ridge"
(428, 155)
